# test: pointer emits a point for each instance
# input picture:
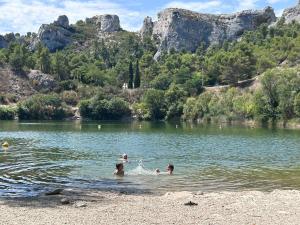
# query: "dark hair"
(171, 166)
(118, 165)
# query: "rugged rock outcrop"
(41, 81)
(292, 14)
(147, 28)
(106, 23)
(3, 42)
(54, 36)
(183, 29)
(62, 21)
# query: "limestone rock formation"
(62, 21)
(183, 29)
(54, 36)
(41, 81)
(107, 23)
(292, 14)
(147, 28)
(3, 42)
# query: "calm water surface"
(206, 157)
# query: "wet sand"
(249, 207)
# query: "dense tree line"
(172, 87)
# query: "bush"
(70, 97)
(141, 111)
(7, 113)
(297, 104)
(42, 107)
(68, 85)
(155, 102)
(104, 109)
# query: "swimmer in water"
(119, 170)
(170, 169)
(124, 158)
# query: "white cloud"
(273, 1)
(247, 4)
(279, 12)
(22, 15)
(195, 6)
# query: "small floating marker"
(176, 126)
(140, 126)
(99, 127)
(5, 145)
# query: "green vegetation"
(173, 87)
(100, 108)
(42, 107)
(7, 112)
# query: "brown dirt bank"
(249, 207)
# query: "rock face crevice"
(181, 29)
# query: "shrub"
(297, 104)
(42, 107)
(141, 111)
(70, 97)
(7, 113)
(104, 109)
(68, 85)
(155, 102)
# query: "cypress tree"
(45, 61)
(130, 82)
(137, 79)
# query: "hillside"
(185, 65)
(14, 84)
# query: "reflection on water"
(71, 154)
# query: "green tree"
(60, 66)
(130, 82)
(137, 78)
(45, 61)
(297, 104)
(155, 102)
(17, 58)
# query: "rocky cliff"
(292, 14)
(181, 29)
(59, 34)
(54, 36)
(3, 42)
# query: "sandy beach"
(249, 207)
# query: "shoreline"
(99, 207)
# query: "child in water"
(119, 170)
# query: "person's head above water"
(119, 169)
(119, 166)
(125, 156)
(170, 168)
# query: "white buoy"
(99, 127)
(140, 126)
(176, 126)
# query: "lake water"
(206, 157)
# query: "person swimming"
(125, 157)
(170, 169)
(119, 170)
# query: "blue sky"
(27, 15)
